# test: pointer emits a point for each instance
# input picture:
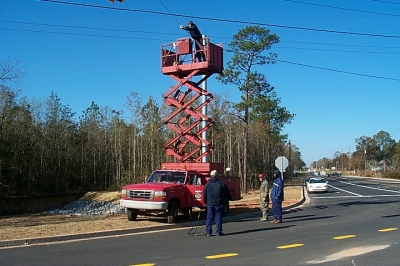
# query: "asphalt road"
(356, 223)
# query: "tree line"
(377, 153)
(45, 148)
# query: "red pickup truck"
(176, 188)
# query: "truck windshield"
(163, 176)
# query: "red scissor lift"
(179, 62)
(187, 145)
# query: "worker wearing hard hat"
(264, 197)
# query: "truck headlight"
(160, 194)
(123, 194)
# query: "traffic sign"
(281, 163)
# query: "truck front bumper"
(143, 205)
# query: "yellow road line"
(143, 264)
(343, 237)
(387, 229)
(290, 246)
(219, 256)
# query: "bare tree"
(10, 71)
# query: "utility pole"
(342, 159)
(290, 161)
(365, 160)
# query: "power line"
(156, 39)
(131, 31)
(81, 27)
(164, 33)
(338, 71)
(226, 20)
(386, 2)
(335, 50)
(342, 44)
(299, 64)
(169, 12)
(85, 34)
(166, 40)
(343, 8)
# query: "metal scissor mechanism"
(187, 119)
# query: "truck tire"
(132, 215)
(225, 206)
(172, 212)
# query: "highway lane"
(363, 187)
(354, 224)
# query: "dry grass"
(34, 226)
(102, 196)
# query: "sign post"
(281, 163)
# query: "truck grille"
(139, 194)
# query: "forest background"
(46, 149)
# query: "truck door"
(196, 187)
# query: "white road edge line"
(381, 189)
(335, 197)
(346, 191)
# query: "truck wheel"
(225, 206)
(132, 215)
(172, 212)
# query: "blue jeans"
(277, 209)
(214, 213)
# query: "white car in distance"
(317, 184)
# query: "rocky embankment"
(87, 208)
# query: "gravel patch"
(86, 208)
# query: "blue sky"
(338, 72)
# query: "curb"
(52, 239)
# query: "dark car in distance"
(334, 174)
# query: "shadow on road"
(351, 203)
(309, 219)
(391, 216)
(258, 230)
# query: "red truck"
(174, 189)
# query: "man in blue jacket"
(214, 193)
(277, 197)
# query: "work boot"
(263, 219)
